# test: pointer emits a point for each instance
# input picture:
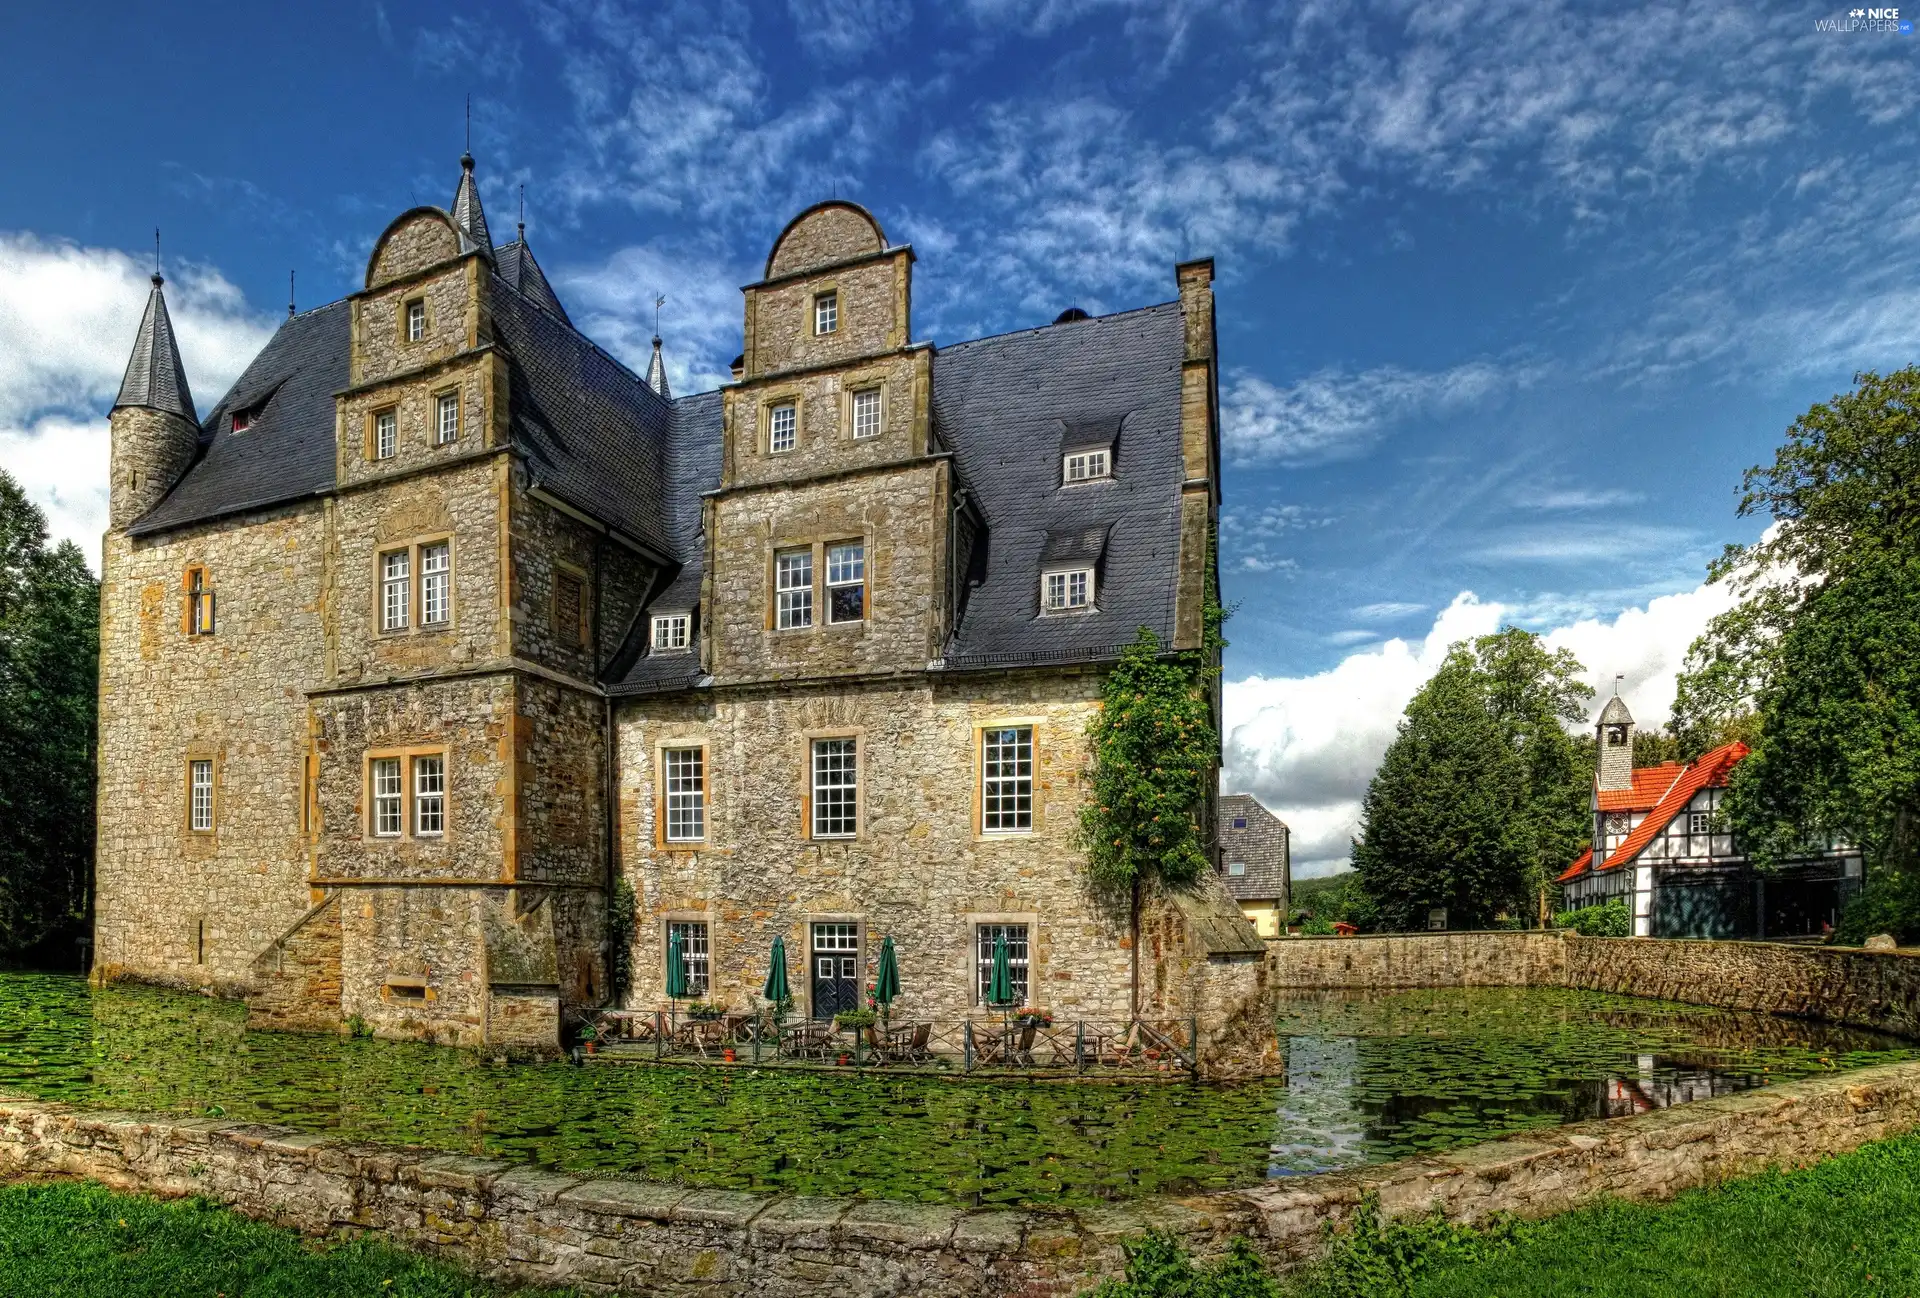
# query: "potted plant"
(590, 1038)
(855, 1020)
(705, 1011)
(1034, 1019)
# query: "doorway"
(835, 961)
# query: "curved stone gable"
(417, 239)
(825, 233)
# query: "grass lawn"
(1850, 1225)
(82, 1241)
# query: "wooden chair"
(1127, 1052)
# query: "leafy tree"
(1825, 643)
(49, 651)
(1480, 798)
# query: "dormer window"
(783, 428)
(416, 320)
(826, 313)
(242, 420)
(1089, 465)
(1239, 822)
(1067, 592)
(670, 632)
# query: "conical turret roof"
(657, 370)
(155, 377)
(1615, 713)
(467, 213)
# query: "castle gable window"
(846, 582)
(1088, 466)
(836, 788)
(986, 936)
(200, 795)
(386, 434)
(826, 313)
(1006, 779)
(416, 320)
(387, 796)
(436, 571)
(446, 419)
(866, 413)
(670, 632)
(1067, 592)
(1068, 562)
(396, 587)
(197, 616)
(1088, 448)
(783, 427)
(793, 589)
(684, 793)
(430, 796)
(696, 953)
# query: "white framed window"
(1085, 466)
(836, 788)
(846, 582)
(1699, 822)
(670, 631)
(793, 589)
(684, 773)
(1006, 779)
(826, 313)
(696, 954)
(1064, 592)
(446, 418)
(200, 795)
(985, 937)
(416, 320)
(1236, 869)
(430, 796)
(387, 797)
(386, 434)
(436, 573)
(396, 590)
(866, 413)
(783, 427)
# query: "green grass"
(83, 1241)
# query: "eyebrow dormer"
(1088, 449)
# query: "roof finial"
(157, 281)
(289, 295)
(523, 211)
(658, 302)
(657, 367)
(1617, 678)
(466, 150)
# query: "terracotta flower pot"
(727, 1054)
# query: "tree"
(49, 652)
(1480, 798)
(1824, 642)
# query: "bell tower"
(155, 429)
(1615, 765)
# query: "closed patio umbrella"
(1000, 992)
(886, 984)
(676, 972)
(776, 989)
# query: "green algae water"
(1367, 1078)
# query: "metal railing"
(964, 1047)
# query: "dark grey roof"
(287, 451)
(693, 465)
(1615, 713)
(467, 214)
(1004, 405)
(1072, 547)
(1262, 847)
(1090, 434)
(515, 264)
(657, 370)
(155, 377)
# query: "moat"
(1368, 1077)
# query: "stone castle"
(442, 623)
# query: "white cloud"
(1387, 610)
(700, 325)
(68, 315)
(1334, 415)
(1307, 746)
(836, 31)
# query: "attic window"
(242, 420)
(416, 320)
(1239, 822)
(1236, 868)
(670, 632)
(1067, 592)
(1086, 466)
(826, 313)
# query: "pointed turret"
(467, 213)
(1615, 766)
(657, 370)
(156, 430)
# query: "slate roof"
(468, 217)
(1709, 771)
(1262, 847)
(515, 265)
(1005, 405)
(287, 451)
(154, 374)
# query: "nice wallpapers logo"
(1882, 21)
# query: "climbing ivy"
(620, 927)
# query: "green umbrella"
(1000, 987)
(676, 968)
(776, 988)
(886, 984)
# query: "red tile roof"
(1680, 784)
(1578, 868)
(1649, 782)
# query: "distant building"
(1661, 843)
(1256, 860)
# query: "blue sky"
(1509, 294)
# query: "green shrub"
(1890, 903)
(855, 1019)
(1157, 1267)
(620, 931)
(1317, 927)
(1608, 919)
(1377, 1258)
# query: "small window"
(416, 320)
(1085, 466)
(430, 796)
(200, 795)
(436, 572)
(1236, 869)
(866, 413)
(846, 582)
(1700, 822)
(1239, 822)
(386, 434)
(836, 788)
(242, 420)
(670, 631)
(782, 428)
(446, 418)
(695, 953)
(396, 590)
(386, 797)
(793, 589)
(199, 617)
(1067, 591)
(569, 603)
(1006, 779)
(826, 313)
(685, 775)
(987, 936)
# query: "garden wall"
(532, 1226)
(1502, 959)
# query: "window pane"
(793, 587)
(686, 794)
(1006, 779)
(826, 313)
(202, 795)
(385, 435)
(846, 582)
(395, 590)
(670, 632)
(866, 413)
(449, 417)
(695, 954)
(435, 571)
(416, 321)
(782, 427)
(1016, 935)
(429, 795)
(836, 792)
(386, 797)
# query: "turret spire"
(467, 214)
(155, 377)
(657, 370)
